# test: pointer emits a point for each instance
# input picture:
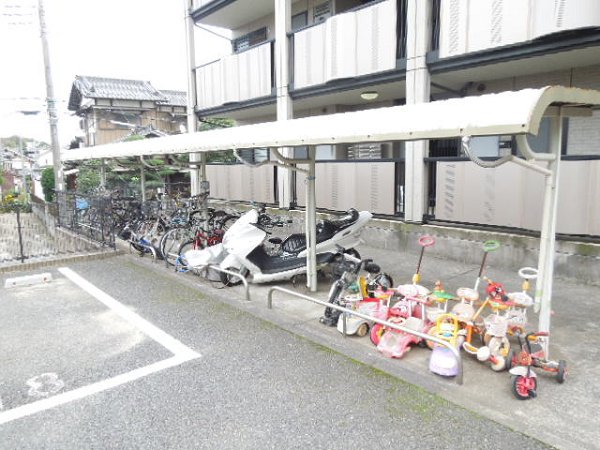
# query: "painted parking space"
(66, 339)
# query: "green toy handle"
(490, 246)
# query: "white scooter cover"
(204, 257)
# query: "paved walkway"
(562, 415)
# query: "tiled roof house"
(111, 108)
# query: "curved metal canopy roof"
(506, 113)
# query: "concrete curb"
(60, 259)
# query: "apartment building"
(315, 57)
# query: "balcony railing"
(347, 45)
(505, 23)
(236, 78)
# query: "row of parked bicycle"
(241, 246)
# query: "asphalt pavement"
(260, 378)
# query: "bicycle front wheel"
(171, 242)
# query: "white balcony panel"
(468, 193)
(241, 183)
(209, 85)
(340, 46)
(347, 45)
(258, 66)
(337, 189)
(453, 27)
(309, 57)
(470, 26)
(376, 38)
(235, 78)
(551, 16)
(231, 79)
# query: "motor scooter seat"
(295, 243)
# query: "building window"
(248, 40)
(322, 12)
(255, 155)
(435, 28)
(299, 20)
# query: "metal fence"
(90, 216)
(29, 233)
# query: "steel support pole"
(103, 173)
(311, 223)
(143, 181)
(543, 292)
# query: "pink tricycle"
(395, 343)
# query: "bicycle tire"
(191, 244)
(171, 242)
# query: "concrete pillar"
(417, 91)
(198, 171)
(283, 26)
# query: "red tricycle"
(524, 379)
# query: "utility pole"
(52, 116)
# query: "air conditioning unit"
(365, 151)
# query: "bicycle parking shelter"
(515, 113)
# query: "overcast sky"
(130, 39)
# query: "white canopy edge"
(506, 113)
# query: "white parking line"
(167, 341)
(181, 353)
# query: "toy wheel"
(363, 329)
(561, 374)
(499, 346)
(376, 333)
(498, 363)
(523, 387)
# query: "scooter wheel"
(561, 373)
(229, 280)
(523, 387)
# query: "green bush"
(48, 183)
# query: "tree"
(88, 177)
(48, 183)
(216, 123)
